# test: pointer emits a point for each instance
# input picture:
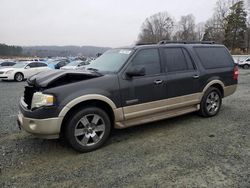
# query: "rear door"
(182, 76)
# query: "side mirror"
(136, 71)
(27, 67)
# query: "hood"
(4, 69)
(53, 78)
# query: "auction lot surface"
(187, 151)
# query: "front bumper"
(44, 128)
(6, 77)
(39, 122)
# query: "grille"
(1, 72)
(28, 94)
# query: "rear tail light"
(235, 73)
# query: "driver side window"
(149, 59)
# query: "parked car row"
(21, 70)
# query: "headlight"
(39, 99)
(9, 72)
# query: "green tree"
(6, 50)
(236, 26)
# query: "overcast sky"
(110, 23)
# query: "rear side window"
(32, 65)
(214, 57)
(149, 59)
(41, 65)
(177, 59)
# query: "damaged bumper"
(48, 127)
(44, 128)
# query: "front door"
(141, 94)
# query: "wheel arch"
(19, 72)
(217, 84)
(95, 100)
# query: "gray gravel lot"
(187, 151)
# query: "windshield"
(110, 61)
(19, 65)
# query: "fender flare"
(83, 98)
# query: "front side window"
(149, 59)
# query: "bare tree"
(156, 28)
(200, 30)
(186, 28)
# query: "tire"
(211, 102)
(246, 66)
(88, 129)
(18, 77)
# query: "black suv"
(126, 87)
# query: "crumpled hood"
(53, 78)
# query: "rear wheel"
(246, 66)
(88, 129)
(18, 77)
(211, 102)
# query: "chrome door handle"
(158, 82)
(196, 76)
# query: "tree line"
(229, 25)
(6, 50)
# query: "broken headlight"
(39, 99)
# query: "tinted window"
(214, 57)
(149, 59)
(41, 65)
(5, 64)
(11, 63)
(32, 65)
(248, 59)
(177, 59)
(61, 64)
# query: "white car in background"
(74, 65)
(245, 64)
(22, 71)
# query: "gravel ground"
(187, 151)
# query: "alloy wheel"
(89, 130)
(213, 102)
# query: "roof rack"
(141, 43)
(185, 42)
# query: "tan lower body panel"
(156, 117)
(157, 110)
(229, 90)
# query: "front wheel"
(18, 77)
(88, 129)
(211, 102)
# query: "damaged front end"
(54, 78)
